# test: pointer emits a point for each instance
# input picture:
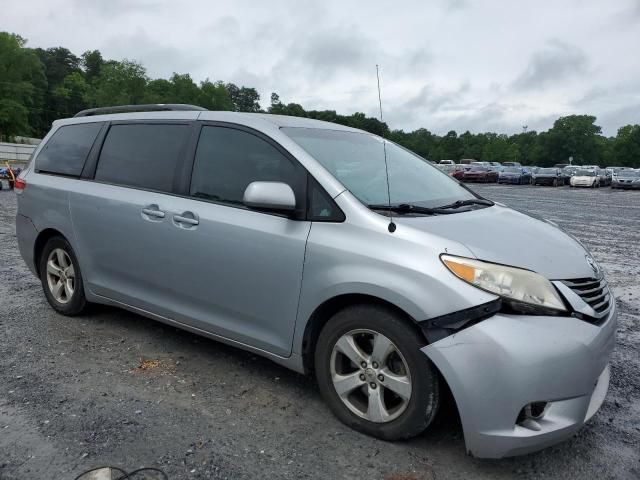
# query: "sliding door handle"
(186, 219)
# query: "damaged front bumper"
(500, 367)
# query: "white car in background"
(585, 178)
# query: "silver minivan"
(330, 251)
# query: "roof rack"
(152, 107)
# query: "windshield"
(512, 170)
(629, 173)
(357, 161)
(585, 173)
(547, 170)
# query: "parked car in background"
(481, 174)
(565, 176)
(447, 162)
(467, 161)
(458, 171)
(514, 175)
(561, 165)
(568, 172)
(531, 168)
(446, 168)
(496, 165)
(626, 179)
(481, 164)
(617, 169)
(548, 176)
(511, 164)
(605, 177)
(585, 178)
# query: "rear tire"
(61, 277)
(386, 348)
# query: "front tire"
(372, 374)
(61, 277)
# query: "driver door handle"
(153, 211)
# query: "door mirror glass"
(272, 196)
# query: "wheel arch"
(330, 307)
(41, 240)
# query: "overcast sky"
(459, 64)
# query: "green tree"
(159, 90)
(119, 83)
(184, 90)
(92, 62)
(215, 96)
(22, 82)
(244, 99)
(450, 146)
(626, 146)
(71, 95)
(575, 136)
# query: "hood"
(501, 235)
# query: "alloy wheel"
(370, 375)
(60, 275)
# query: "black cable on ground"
(125, 475)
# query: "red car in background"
(480, 174)
(458, 171)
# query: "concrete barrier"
(15, 153)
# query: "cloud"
(114, 8)
(445, 64)
(328, 53)
(431, 99)
(455, 5)
(611, 120)
(556, 62)
(159, 59)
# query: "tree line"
(39, 85)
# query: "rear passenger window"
(142, 155)
(228, 160)
(67, 150)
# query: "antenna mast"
(392, 226)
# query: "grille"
(594, 292)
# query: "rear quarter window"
(67, 150)
(142, 155)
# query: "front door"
(237, 272)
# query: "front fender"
(402, 269)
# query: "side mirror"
(270, 196)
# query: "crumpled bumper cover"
(501, 364)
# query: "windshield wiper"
(409, 208)
(403, 208)
(464, 203)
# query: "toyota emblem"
(592, 263)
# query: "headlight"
(520, 287)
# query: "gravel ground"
(115, 388)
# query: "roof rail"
(152, 107)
